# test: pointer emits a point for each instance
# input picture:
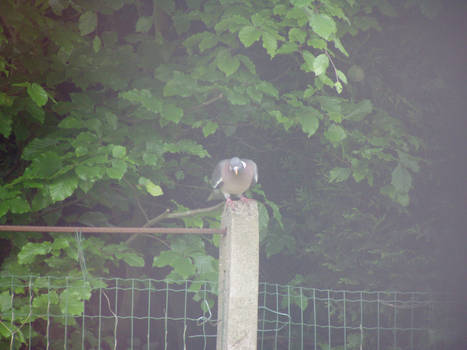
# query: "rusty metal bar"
(132, 230)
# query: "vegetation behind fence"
(51, 312)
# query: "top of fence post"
(238, 277)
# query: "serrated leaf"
(87, 22)
(96, 44)
(63, 188)
(143, 24)
(269, 43)
(322, 24)
(118, 151)
(339, 174)
(30, 250)
(309, 58)
(298, 35)
(153, 189)
(37, 94)
(309, 123)
(172, 113)
(208, 41)
(401, 179)
(227, 63)
(320, 64)
(44, 165)
(89, 173)
(5, 124)
(19, 205)
(71, 122)
(117, 170)
(335, 134)
(209, 128)
(130, 258)
(248, 35)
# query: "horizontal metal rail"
(122, 230)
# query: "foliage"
(109, 112)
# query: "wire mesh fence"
(53, 312)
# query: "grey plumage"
(234, 176)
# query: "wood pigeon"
(234, 177)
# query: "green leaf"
(5, 124)
(30, 250)
(172, 113)
(96, 44)
(19, 205)
(401, 179)
(118, 151)
(143, 24)
(309, 123)
(357, 112)
(226, 63)
(339, 174)
(130, 258)
(87, 22)
(71, 122)
(117, 170)
(89, 173)
(63, 188)
(297, 34)
(320, 64)
(269, 43)
(322, 24)
(153, 189)
(44, 166)
(309, 58)
(248, 35)
(335, 134)
(209, 128)
(37, 94)
(71, 301)
(209, 40)
(181, 265)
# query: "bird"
(234, 177)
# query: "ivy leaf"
(87, 22)
(248, 35)
(322, 24)
(226, 63)
(143, 24)
(37, 94)
(320, 64)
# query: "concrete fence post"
(238, 278)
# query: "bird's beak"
(235, 169)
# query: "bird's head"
(236, 165)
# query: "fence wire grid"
(51, 312)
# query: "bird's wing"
(251, 166)
(217, 177)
